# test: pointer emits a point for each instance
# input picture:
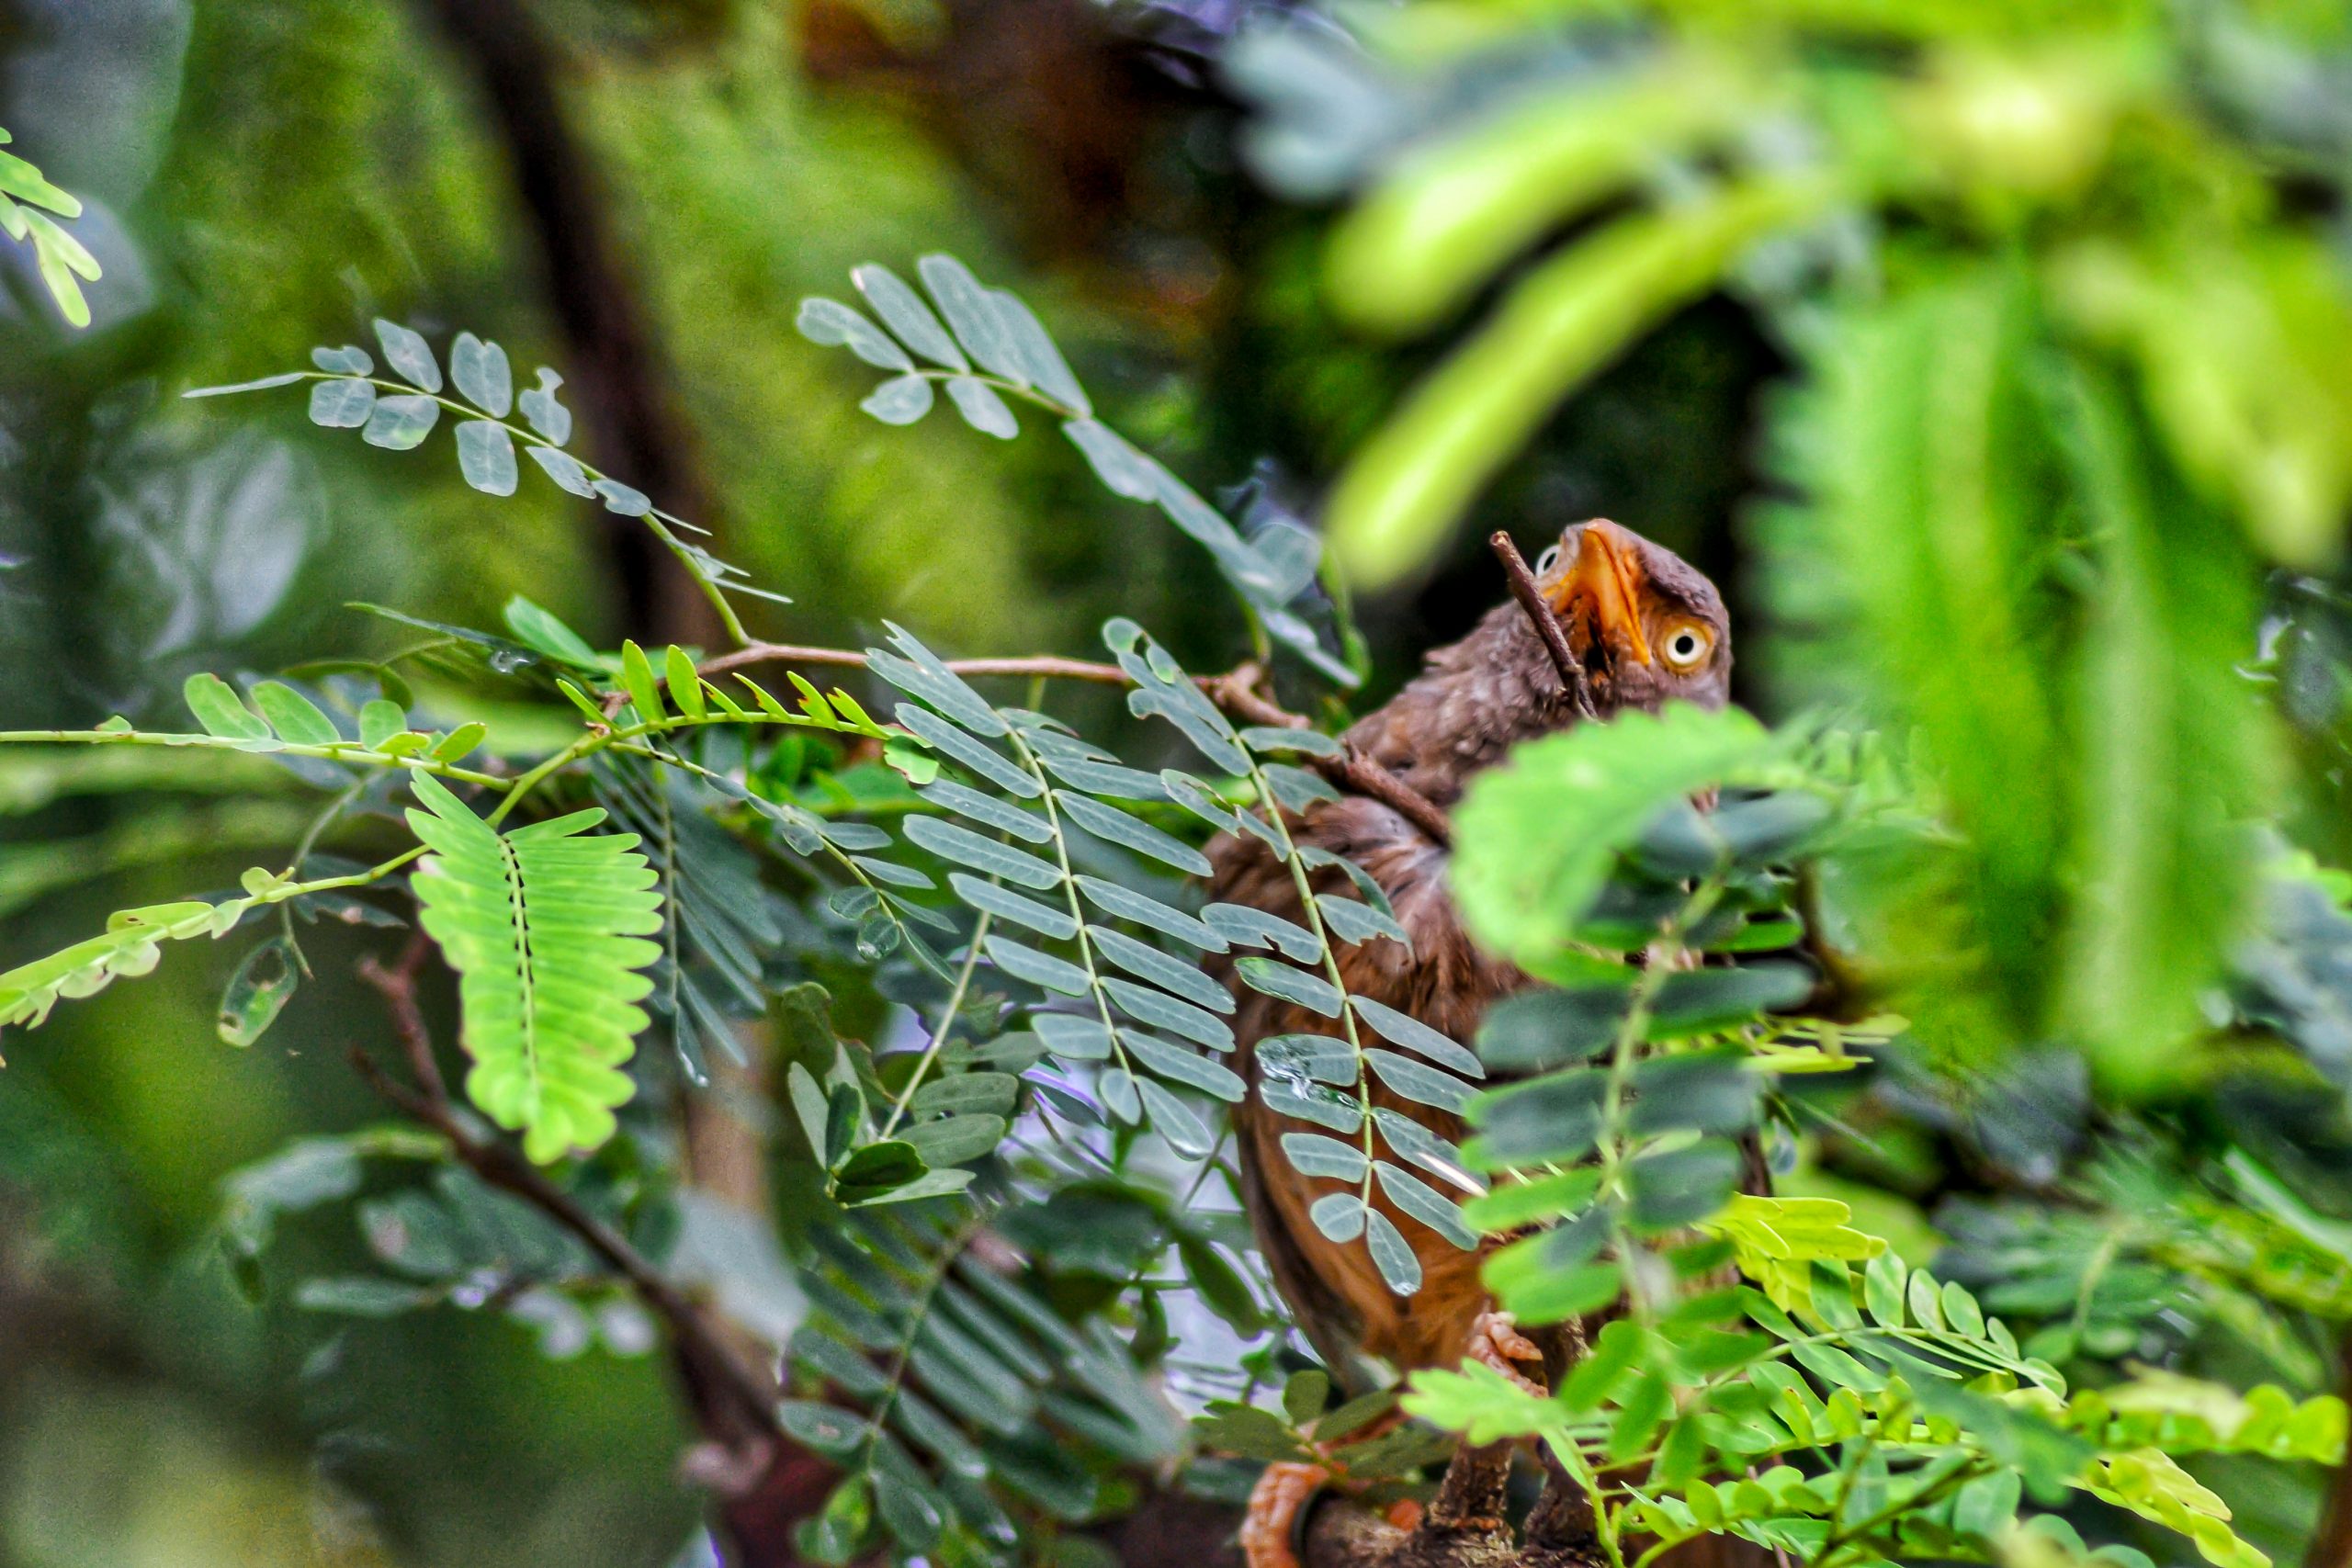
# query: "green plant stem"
(1069, 897)
(302, 847)
(1314, 912)
(947, 1026)
(342, 752)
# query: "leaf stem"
(340, 752)
(947, 1025)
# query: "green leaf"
(219, 710)
(1400, 1270)
(1419, 1082)
(902, 399)
(1169, 973)
(341, 405)
(258, 991)
(1187, 1068)
(1303, 1395)
(973, 315)
(400, 421)
(1246, 927)
(410, 356)
(1117, 826)
(294, 716)
(60, 258)
(1311, 1153)
(960, 844)
(1701, 1001)
(129, 947)
(627, 501)
(1536, 836)
(981, 408)
(1027, 963)
(1071, 1037)
(954, 1140)
(547, 413)
(1113, 899)
(363, 1296)
(348, 360)
(539, 630)
(562, 467)
(903, 311)
(1289, 984)
(1425, 1203)
(684, 684)
(1176, 1121)
(454, 745)
(486, 456)
(1033, 349)
(637, 679)
(1338, 1215)
(1540, 1031)
(958, 747)
(985, 809)
(1164, 1011)
(379, 720)
(834, 325)
(1398, 1029)
(1551, 1120)
(545, 927)
(483, 376)
(1043, 919)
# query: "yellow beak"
(1598, 596)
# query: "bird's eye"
(1687, 646)
(1547, 560)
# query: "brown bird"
(1649, 629)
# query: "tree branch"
(500, 1166)
(1524, 589)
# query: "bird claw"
(1495, 1342)
(1277, 1505)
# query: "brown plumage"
(1649, 629)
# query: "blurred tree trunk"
(620, 379)
(622, 387)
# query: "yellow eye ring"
(1686, 646)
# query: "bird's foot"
(1269, 1527)
(1495, 1342)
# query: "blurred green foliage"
(1997, 357)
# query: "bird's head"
(1647, 626)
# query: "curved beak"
(1598, 593)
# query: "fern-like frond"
(545, 927)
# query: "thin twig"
(1234, 692)
(397, 985)
(501, 1167)
(1531, 599)
(1351, 769)
(1048, 665)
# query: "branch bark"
(1524, 589)
(766, 1485)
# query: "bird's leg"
(1470, 1498)
(1270, 1527)
(1559, 1528)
